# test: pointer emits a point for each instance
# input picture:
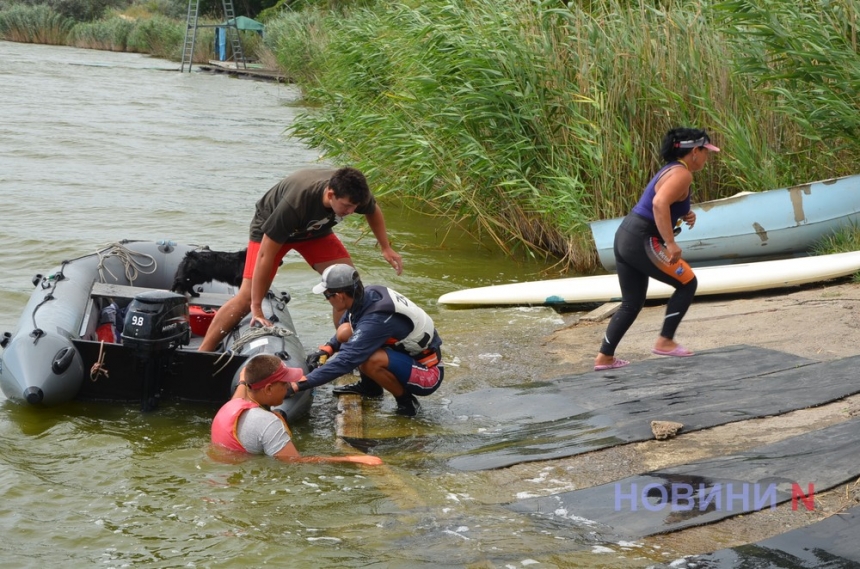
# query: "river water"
(99, 146)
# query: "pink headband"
(283, 374)
(703, 142)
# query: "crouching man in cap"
(393, 343)
(246, 423)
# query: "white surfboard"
(724, 279)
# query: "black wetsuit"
(640, 254)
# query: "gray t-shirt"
(293, 210)
(261, 431)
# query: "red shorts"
(317, 250)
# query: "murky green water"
(96, 147)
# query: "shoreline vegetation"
(523, 120)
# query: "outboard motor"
(155, 325)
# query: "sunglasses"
(328, 294)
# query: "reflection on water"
(98, 146)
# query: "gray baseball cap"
(337, 277)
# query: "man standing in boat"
(246, 423)
(393, 343)
(299, 213)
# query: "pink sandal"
(616, 363)
(678, 351)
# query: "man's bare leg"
(376, 368)
(227, 317)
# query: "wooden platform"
(253, 70)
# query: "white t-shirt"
(261, 431)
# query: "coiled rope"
(135, 263)
(250, 335)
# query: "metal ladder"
(190, 34)
(230, 28)
(232, 32)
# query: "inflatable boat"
(106, 327)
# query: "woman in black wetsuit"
(645, 246)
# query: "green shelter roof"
(244, 23)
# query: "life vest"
(417, 343)
(110, 325)
(226, 422)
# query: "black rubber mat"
(589, 411)
(499, 427)
(829, 544)
(706, 491)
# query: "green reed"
(845, 240)
(34, 24)
(110, 34)
(154, 34)
(523, 120)
(807, 59)
(296, 44)
(158, 36)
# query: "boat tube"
(59, 351)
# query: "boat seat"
(116, 292)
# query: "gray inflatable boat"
(58, 352)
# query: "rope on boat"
(250, 335)
(53, 280)
(99, 370)
(135, 263)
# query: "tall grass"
(150, 33)
(158, 36)
(110, 34)
(449, 108)
(845, 240)
(155, 35)
(296, 43)
(253, 45)
(34, 24)
(807, 59)
(524, 119)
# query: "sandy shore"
(820, 322)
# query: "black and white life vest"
(418, 341)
